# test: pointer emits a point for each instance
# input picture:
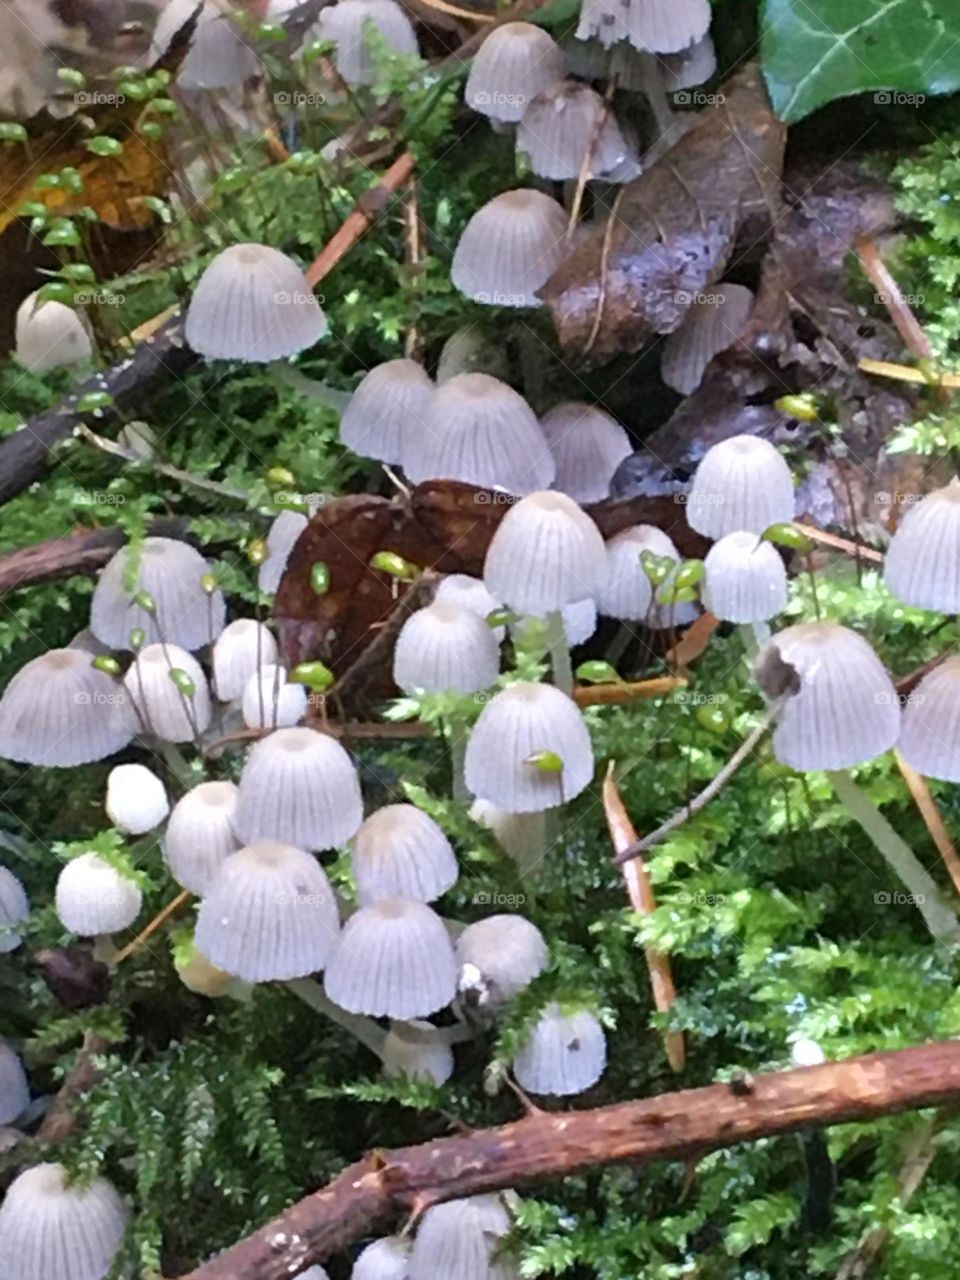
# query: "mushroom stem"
(559, 653)
(105, 949)
(901, 859)
(363, 1029)
(458, 732)
(754, 636)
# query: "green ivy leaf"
(818, 50)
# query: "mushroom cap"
(922, 565)
(253, 304)
(627, 592)
(136, 799)
(344, 23)
(745, 579)
(741, 483)
(515, 63)
(658, 26)
(162, 708)
(510, 248)
(461, 1239)
(691, 66)
(14, 907)
(516, 725)
(566, 1054)
(268, 914)
(930, 734)
(60, 710)
(394, 959)
(50, 1231)
(242, 648)
(480, 431)
(806, 1053)
(545, 554)
(714, 323)
(14, 1089)
(200, 835)
(172, 572)
(559, 130)
(387, 411)
(446, 648)
(400, 852)
(588, 446)
(270, 701)
(508, 950)
(418, 1050)
(470, 593)
(92, 897)
(50, 335)
(281, 540)
(301, 787)
(846, 710)
(386, 1259)
(218, 57)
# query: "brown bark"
(77, 554)
(674, 1126)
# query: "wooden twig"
(368, 208)
(157, 923)
(889, 292)
(713, 788)
(640, 892)
(368, 1195)
(605, 695)
(61, 1120)
(856, 549)
(932, 817)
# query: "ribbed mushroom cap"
(14, 1089)
(253, 304)
(387, 410)
(400, 852)
(745, 579)
(270, 701)
(281, 540)
(394, 959)
(200, 835)
(50, 335)
(741, 483)
(419, 1050)
(516, 727)
(710, 326)
(469, 350)
(922, 566)
(163, 708)
(559, 129)
(49, 1231)
(387, 1259)
(507, 950)
(136, 799)
(628, 593)
(301, 787)
(344, 23)
(219, 56)
(692, 66)
(659, 26)
(446, 648)
(566, 1054)
(588, 446)
(546, 553)
(846, 710)
(480, 431)
(93, 898)
(268, 914)
(241, 649)
(510, 248)
(515, 63)
(470, 593)
(461, 1239)
(172, 572)
(59, 710)
(930, 736)
(14, 907)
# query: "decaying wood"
(79, 553)
(369, 1194)
(61, 1120)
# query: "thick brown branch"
(77, 554)
(544, 1145)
